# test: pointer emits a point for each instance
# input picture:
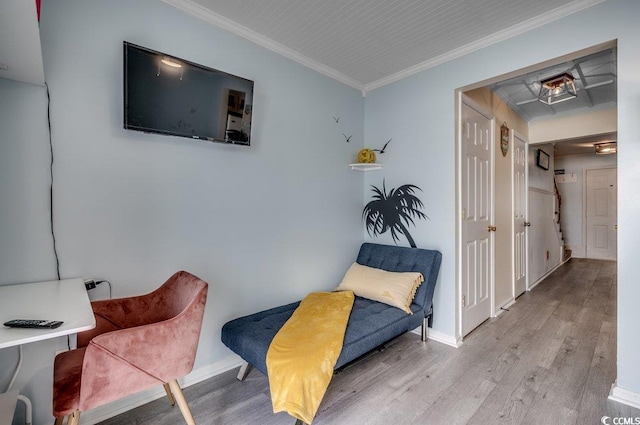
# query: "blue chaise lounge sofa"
(371, 323)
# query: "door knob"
(491, 228)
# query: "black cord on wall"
(98, 282)
(53, 234)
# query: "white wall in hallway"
(543, 238)
(571, 126)
(573, 196)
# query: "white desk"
(64, 300)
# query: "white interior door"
(476, 164)
(601, 212)
(520, 184)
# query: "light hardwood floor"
(550, 359)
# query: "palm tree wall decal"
(393, 211)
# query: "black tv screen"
(168, 95)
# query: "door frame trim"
(461, 98)
(514, 134)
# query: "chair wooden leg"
(74, 418)
(172, 400)
(59, 421)
(182, 403)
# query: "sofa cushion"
(396, 289)
(370, 325)
(403, 259)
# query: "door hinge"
(464, 301)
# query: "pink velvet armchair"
(138, 342)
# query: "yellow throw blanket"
(305, 350)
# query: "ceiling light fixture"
(557, 89)
(606, 148)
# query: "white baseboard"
(577, 251)
(533, 285)
(439, 337)
(117, 407)
(624, 396)
(504, 307)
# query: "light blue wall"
(26, 246)
(406, 113)
(418, 112)
(26, 249)
(264, 225)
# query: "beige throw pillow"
(394, 288)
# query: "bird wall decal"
(347, 138)
(337, 120)
(383, 148)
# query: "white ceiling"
(583, 145)
(20, 50)
(369, 43)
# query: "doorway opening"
(535, 233)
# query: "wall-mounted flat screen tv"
(168, 95)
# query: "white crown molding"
(194, 9)
(505, 34)
(191, 8)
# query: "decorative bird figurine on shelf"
(383, 148)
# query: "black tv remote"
(33, 323)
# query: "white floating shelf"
(363, 166)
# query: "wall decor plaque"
(504, 139)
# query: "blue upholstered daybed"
(371, 323)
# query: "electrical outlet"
(89, 284)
